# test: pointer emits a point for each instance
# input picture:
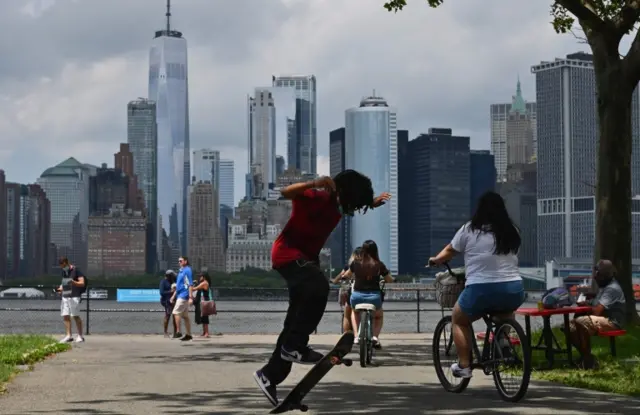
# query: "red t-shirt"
(314, 216)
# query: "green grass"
(616, 375)
(25, 350)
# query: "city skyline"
(38, 117)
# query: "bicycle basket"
(448, 287)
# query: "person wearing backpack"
(607, 313)
(72, 286)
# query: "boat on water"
(96, 294)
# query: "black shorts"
(168, 308)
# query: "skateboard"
(293, 401)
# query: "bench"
(481, 336)
(612, 334)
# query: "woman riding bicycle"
(345, 293)
(366, 288)
(490, 243)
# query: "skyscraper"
(206, 167)
(279, 165)
(67, 188)
(28, 225)
(142, 138)
(567, 156)
(339, 241)
(405, 202)
(262, 141)
(302, 132)
(482, 176)
(118, 242)
(520, 139)
(123, 161)
(522, 126)
(168, 87)
(440, 194)
(567, 136)
(371, 148)
(206, 243)
(109, 187)
(227, 183)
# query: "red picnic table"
(547, 334)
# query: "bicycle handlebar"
(460, 278)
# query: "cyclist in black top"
(345, 294)
(367, 273)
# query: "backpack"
(556, 298)
(86, 280)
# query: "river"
(234, 317)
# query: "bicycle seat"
(366, 306)
(491, 314)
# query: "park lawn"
(19, 350)
(616, 375)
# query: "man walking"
(72, 285)
(183, 297)
(167, 287)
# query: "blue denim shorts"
(478, 299)
(368, 297)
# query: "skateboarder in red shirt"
(318, 206)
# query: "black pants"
(308, 295)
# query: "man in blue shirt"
(183, 297)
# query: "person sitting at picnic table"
(607, 314)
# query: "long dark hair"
(491, 216)
(207, 278)
(370, 250)
(355, 191)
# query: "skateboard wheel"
(335, 361)
(304, 408)
(347, 362)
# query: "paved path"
(152, 375)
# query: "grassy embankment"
(620, 374)
(18, 350)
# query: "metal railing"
(240, 310)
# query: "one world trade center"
(168, 87)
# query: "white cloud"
(439, 67)
(323, 165)
(35, 8)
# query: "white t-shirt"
(482, 265)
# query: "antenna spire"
(168, 14)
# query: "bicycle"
(343, 299)
(365, 331)
(494, 353)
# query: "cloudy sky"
(69, 67)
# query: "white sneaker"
(356, 340)
(79, 339)
(66, 339)
(376, 342)
(460, 372)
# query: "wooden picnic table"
(547, 335)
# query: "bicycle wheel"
(443, 347)
(369, 339)
(512, 351)
(362, 337)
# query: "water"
(234, 317)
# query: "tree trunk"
(613, 186)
